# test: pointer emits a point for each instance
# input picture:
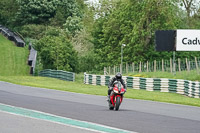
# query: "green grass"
(13, 60)
(192, 75)
(52, 83)
(14, 69)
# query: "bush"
(87, 62)
(56, 51)
(33, 31)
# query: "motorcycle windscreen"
(119, 86)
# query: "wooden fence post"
(163, 66)
(171, 65)
(147, 66)
(133, 67)
(105, 71)
(109, 70)
(197, 67)
(187, 64)
(179, 64)
(154, 65)
(126, 67)
(140, 67)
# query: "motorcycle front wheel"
(117, 104)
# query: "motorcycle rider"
(118, 77)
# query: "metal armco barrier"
(59, 74)
(184, 87)
(32, 58)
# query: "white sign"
(188, 40)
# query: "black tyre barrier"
(12, 36)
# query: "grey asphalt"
(19, 124)
(134, 115)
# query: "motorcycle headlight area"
(116, 91)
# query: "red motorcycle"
(116, 96)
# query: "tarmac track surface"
(134, 115)
(11, 123)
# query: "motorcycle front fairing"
(118, 91)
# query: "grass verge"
(13, 59)
(186, 75)
(79, 87)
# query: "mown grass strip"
(78, 87)
(192, 75)
(13, 59)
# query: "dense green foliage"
(40, 11)
(97, 32)
(13, 59)
(8, 9)
(33, 31)
(51, 24)
(134, 23)
(72, 25)
(56, 51)
(35, 11)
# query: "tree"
(40, 11)
(192, 7)
(65, 9)
(134, 23)
(73, 25)
(8, 8)
(35, 11)
(57, 52)
(33, 31)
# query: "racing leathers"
(111, 84)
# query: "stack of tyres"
(172, 85)
(142, 83)
(156, 84)
(130, 82)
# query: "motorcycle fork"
(121, 98)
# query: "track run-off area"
(43, 110)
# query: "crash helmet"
(118, 76)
